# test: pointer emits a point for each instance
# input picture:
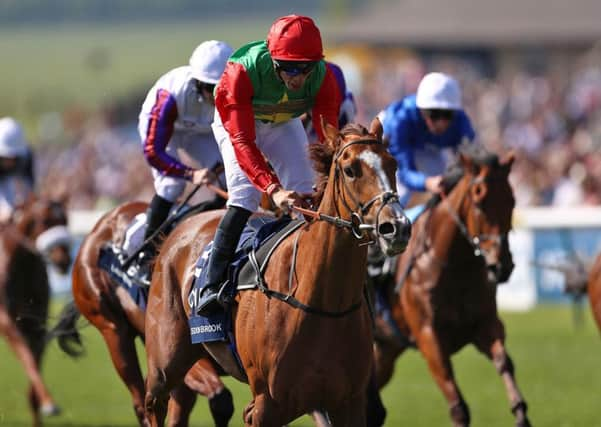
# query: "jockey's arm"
(233, 100)
(160, 130)
(400, 148)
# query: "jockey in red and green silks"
(265, 88)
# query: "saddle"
(260, 238)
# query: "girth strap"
(289, 298)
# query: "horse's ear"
(507, 162)
(330, 133)
(479, 190)
(509, 159)
(376, 128)
(466, 162)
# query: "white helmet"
(208, 60)
(438, 90)
(12, 139)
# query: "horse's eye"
(348, 171)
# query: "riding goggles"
(439, 114)
(294, 68)
(202, 86)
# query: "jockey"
(266, 86)
(348, 107)
(176, 119)
(423, 130)
(16, 167)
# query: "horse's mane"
(322, 154)
(479, 155)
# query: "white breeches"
(284, 145)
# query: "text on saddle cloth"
(261, 235)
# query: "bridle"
(355, 223)
(476, 240)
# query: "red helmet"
(294, 38)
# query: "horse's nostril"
(386, 228)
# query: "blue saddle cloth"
(218, 327)
(112, 257)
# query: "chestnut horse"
(310, 350)
(110, 308)
(449, 275)
(594, 290)
(25, 291)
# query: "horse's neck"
(335, 264)
(444, 234)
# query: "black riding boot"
(157, 213)
(224, 246)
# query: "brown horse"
(449, 275)
(310, 350)
(24, 289)
(594, 290)
(109, 307)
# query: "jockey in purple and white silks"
(423, 132)
(16, 167)
(348, 107)
(175, 124)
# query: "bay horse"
(594, 290)
(109, 307)
(311, 350)
(449, 275)
(25, 290)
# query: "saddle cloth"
(113, 256)
(261, 236)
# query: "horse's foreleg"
(385, 355)
(169, 352)
(351, 414)
(376, 412)
(262, 411)
(120, 340)
(441, 370)
(180, 406)
(494, 348)
(203, 379)
(24, 354)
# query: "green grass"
(558, 370)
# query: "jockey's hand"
(284, 199)
(434, 184)
(202, 176)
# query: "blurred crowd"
(550, 118)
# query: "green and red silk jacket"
(250, 90)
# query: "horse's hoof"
(49, 410)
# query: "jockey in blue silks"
(423, 131)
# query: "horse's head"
(358, 174)
(487, 208)
(44, 221)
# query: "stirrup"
(214, 301)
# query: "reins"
(355, 224)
